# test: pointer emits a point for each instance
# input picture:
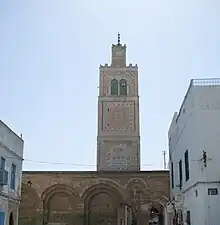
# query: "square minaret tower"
(118, 141)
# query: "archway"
(30, 206)
(102, 202)
(59, 202)
(102, 209)
(11, 220)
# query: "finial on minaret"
(119, 38)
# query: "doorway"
(11, 220)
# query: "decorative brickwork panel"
(120, 155)
(118, 116)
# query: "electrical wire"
(59, 163)
(87, 165)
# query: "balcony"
(3, 177)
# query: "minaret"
(118, 141)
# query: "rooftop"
(203, 82)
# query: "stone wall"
(88, 197)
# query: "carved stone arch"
(59, 204)
(101, 201)
(138, 181)
(33, 192)
(113, 184)
(101, 186)
(30, 204)
(58, 188)
(138, 190)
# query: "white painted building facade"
(196, 128)
(11, 158)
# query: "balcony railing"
(3, 177)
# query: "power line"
(60, 163)
(81, 165)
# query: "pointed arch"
(114, 87)
(123, 87)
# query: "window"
(114, 87)
(123, 87)
(186, 156)
(212, 191)
(188, 219)
(13, 175)
(2, 163)
(180, 174)
(172, 177)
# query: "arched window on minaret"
(123, 87)
(114, 87)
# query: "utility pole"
(164, 159)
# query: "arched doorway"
(11, 220)
(102, 209)
(59, 205)
(102, 204)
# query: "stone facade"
(118, 191)
(118, 141)
(87, 198)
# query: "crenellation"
(130, 67)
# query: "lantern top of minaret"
(118, 54)
(119, 38)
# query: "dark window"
(186, 156)
(114, 87)
(188, 219)
(213, 191)
(2, 163)
(13, 176)
(123, 87)
(172, 177)
(180, 174)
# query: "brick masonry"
(86, 197)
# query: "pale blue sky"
(50, 51)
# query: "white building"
(11, 157)
(196, 128)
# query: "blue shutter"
(2, 218)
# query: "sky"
(50, 52)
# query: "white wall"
(204, 208)
(11, 148)
(9, 160)
(10, 139)
(196, 128)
